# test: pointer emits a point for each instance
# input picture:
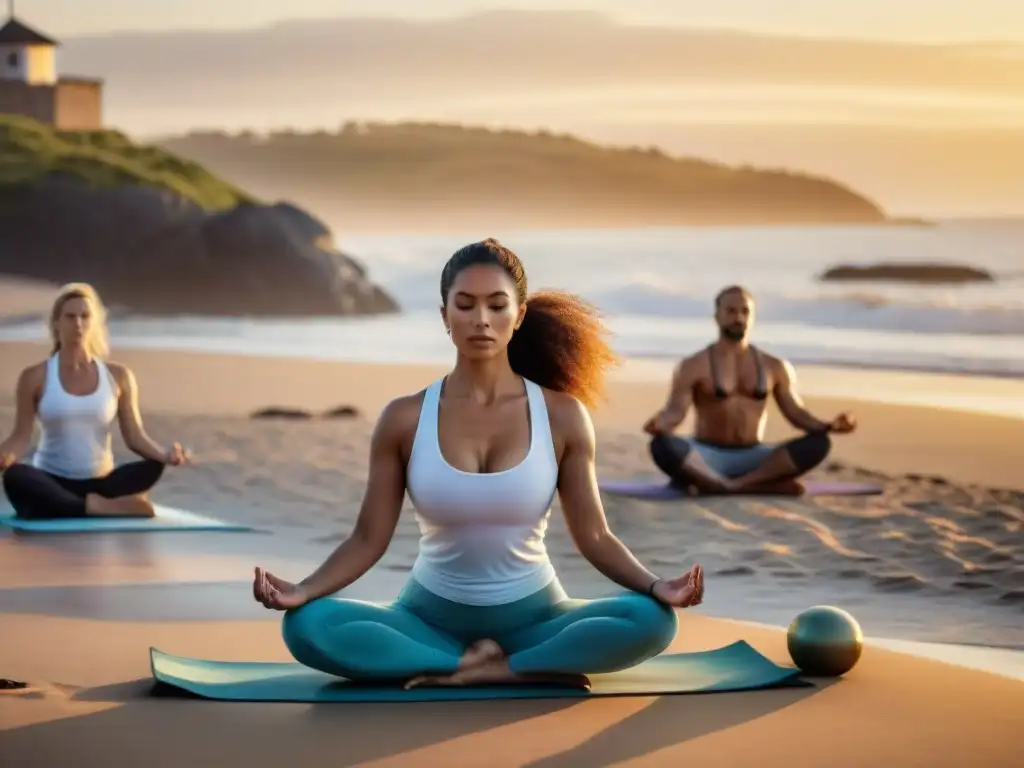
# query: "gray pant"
(728, 462)
(669, 451)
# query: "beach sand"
(79, 613)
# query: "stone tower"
(31, 85)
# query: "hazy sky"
(894, 19)
(926, 130)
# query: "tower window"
(12, 60)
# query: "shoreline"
(965, 392)
(22, 319)
(930, 370)
(975, 391)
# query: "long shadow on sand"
(159, 548)
(195, 601)
(147, 728)
(150, 730)
(672, 720)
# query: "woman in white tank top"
(76, 397)
(482, 454)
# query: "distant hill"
(157, 234)
(416, 175)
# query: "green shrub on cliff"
(31, 151)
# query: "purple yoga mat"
(659, 490)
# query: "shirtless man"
(729, 383)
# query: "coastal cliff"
(157, 234)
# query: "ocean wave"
(849, 309)
(917, 309)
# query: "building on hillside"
(30, 84)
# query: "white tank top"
(482, 534)
(75, 441)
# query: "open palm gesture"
(684, 592)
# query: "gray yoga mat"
(657, 489)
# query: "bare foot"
(497, 672)
(123, 506)
(727, 487)
(481, 652)
(790, 487)
(731, 487)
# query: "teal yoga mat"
(166, 519)
(736, 667)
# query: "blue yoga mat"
(166, 519)
(736, 667)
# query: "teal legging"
(421, 633)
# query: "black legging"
(36, 494)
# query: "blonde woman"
(76, 397)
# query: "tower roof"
(16, 33)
